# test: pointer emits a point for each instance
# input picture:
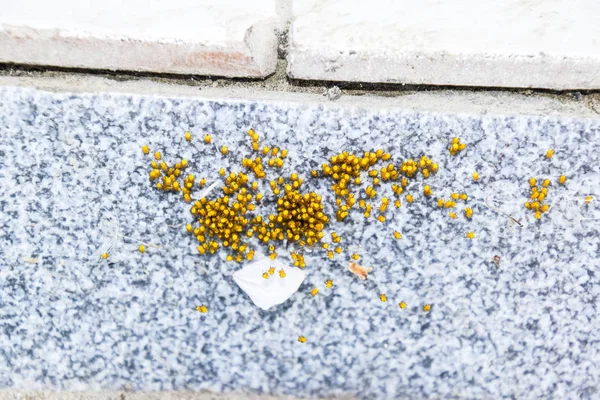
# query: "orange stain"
(361, 272)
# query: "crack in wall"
(280, 82)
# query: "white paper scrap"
(266, 293)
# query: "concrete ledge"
(183, 37)
(462, 102)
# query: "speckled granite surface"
(72, 173)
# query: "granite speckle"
(72, 174)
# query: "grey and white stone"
(72, 173)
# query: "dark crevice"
(279, 81)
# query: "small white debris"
(266, 293)
(333, 93)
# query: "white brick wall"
(550, 44)
(205, 37)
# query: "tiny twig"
(209, 189)
(139, 241)
(112, 245)
(502, 212)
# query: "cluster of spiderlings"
(168, 176)
(409, 168)
(385, 202)
(202, 309)
(382, 208)
(537, 196)
(271, 271)
(294, 184)
(441, 203)
(276, 159)
(398, 189)
(345, 169)
(255, 165)
(187, 187)
(342, 211)
(456, 146)
(367, 207)
(370, 192)
(298, 259)
(459, 196)
(272, 254)
(223, 220)
(254, 136)
(451, 203)
(235, 183)
(425, 165)
(335, 238)
(468, 212)
(300, 218)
